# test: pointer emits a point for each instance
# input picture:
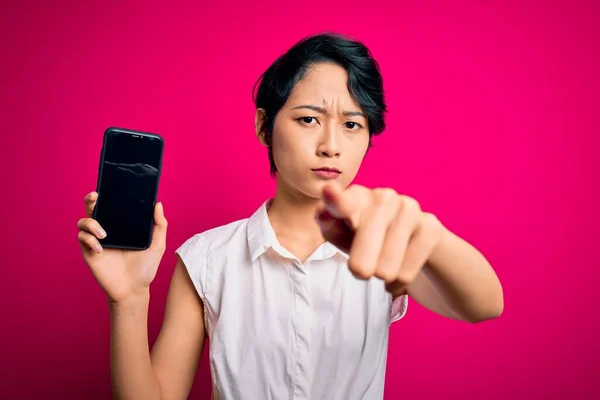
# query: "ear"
(259, 121)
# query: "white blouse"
(280, 329)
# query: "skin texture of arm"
(459, 283)
(168, 371)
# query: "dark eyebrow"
(321, 110)
(354, 114)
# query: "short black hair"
(365, 82)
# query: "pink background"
(493, 126)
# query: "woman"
(297, 299)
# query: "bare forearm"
(465, 279)
(131, 368)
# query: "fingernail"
(101, 233)
(98, 248)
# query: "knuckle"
(356, 187)
(359, 191)
(387, 275)
(383, 195)
(359, 271)
(86, 224)
(431, 223)
(360, 274)
(82, 236)
(410, 203)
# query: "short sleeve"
(193, 255)
(399, 307)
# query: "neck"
(292, 215)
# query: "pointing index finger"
(343, 204)
(335, 202)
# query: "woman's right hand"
(122, 274)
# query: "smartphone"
(128, 176)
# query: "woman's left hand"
(386, 234)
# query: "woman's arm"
(388, 236)
(458, 282)
(169, 370)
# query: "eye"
(307, 120)
(354, 126)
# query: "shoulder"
(231, 236)
(199, 251)
(233, 233)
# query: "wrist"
(440, 251)
(132, 303)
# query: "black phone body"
(128, 177)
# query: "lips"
(327, 172)
(327, 169)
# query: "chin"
(314, 189)
(308, 187)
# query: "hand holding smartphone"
(129, 173)
(123, 236)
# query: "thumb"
(159, 234)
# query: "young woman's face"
(319, 130)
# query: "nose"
(329, 145)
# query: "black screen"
(127, 188)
